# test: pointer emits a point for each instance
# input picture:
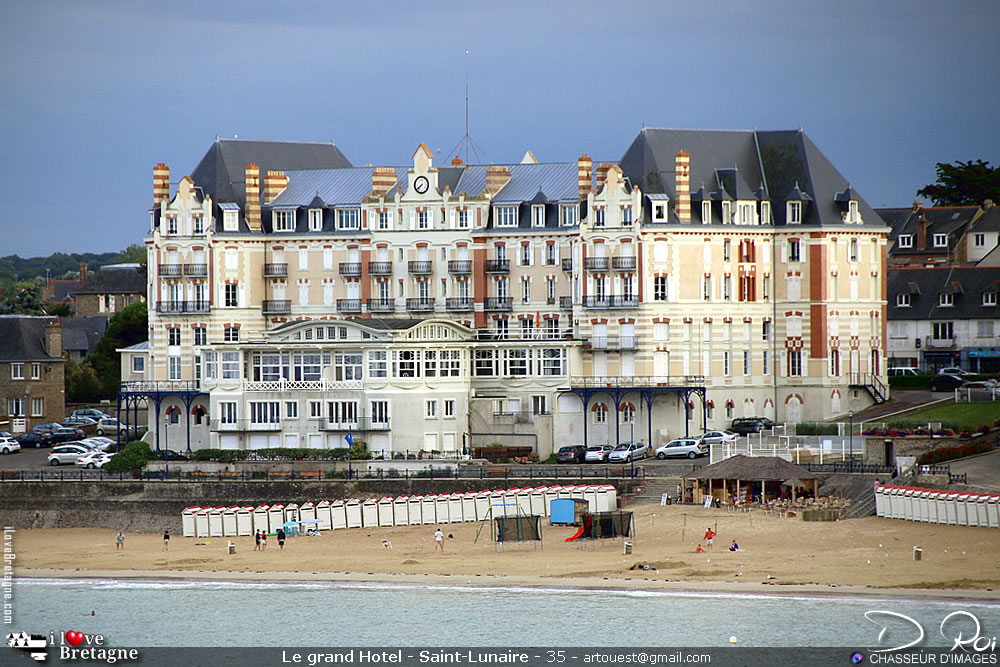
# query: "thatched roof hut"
(753, 472)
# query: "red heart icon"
(73, 638)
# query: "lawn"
(966, 416)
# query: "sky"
(96, 92)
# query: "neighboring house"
(81, 334)
(981, 243)
(958, 235)
(109, 289)
(705, 275)
(134, 363)
(32, 372)
(944, 316)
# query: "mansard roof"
(925, 284)
(335, 187)
(940, 220)
(558, 181)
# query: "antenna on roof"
(467, 141)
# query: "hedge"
(816, 428)
(358, 452)
(950, 453)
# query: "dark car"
(48, 427)
(944, 382)
(571, 454)
(750, 425)
(66, 434)
(35, 439)
(169, 455)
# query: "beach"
(870, 556)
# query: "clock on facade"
(420, 184)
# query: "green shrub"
(949, 453)
(358, 452)
(910, 381)
(133, 456)
(816, 428)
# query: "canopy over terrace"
(756, 475)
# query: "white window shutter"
(451, 219)
(413, 219)
(241, 297)
(221, 299)
(784, 251)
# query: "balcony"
(613, 301)
(348, 305)
(420, 268)
(599, 342)
(359, 424)
(459, 304)
(498, 266)
(565, 303)
(623, 263)
(628, 343)
(171, 270)
(420, 305)
(939, 343)
(181, 307)
(503, 304)
(380, 268)
(276, 270)
(196, 270)
(567, 265)
(244, 425)
(350, 269)
(276, 306)
(460, 267)
(596, 263)
(381, 305)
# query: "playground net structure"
(517, 528)
(605, 526)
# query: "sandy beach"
(871, 556)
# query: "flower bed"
(949, 453)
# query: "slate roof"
(123, 279)
(738, 163)
(754, 468)
(22, 338)
(950, 220)
(925, 284)
(989, 222)
(336, 187)
(80, 334)
(62, 290)
(556, 180)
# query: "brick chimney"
(252, 187)
(274, 183)
(583, 165)
(602, 175)
(497, 177)
(456, 161)
(921, 233)
(161, 183)
(83, 274)
(682, 186)
(53, 338)
(383, 178)
(917, 206)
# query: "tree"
(26, 300)
(134, 254)
(59, 308)
(128, 327)
(133, 456)
(963, 184)
(82, 383)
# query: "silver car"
(66, 454)
(627, 451)
(597, 453)
(688, 447)
(9, 445)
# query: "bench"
(10, 474)
(198, 474)
(309, 474)
(497, 472)
(620, 472)
(279, 474)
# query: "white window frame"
(283, 220)
(660, 211)
(315, 219)
(904, 241)
(431, 409)
(794, 213)
(989, 298)
(946, 300)
(505, 216)
(231, 334)
(17, 371)
(569, 215)
(463, 218)
(36, 370)
(979, 239)
(903, 300)
(138, 363)
(537, 215)
(230, 220)
(37, 406)
(940, 240)
(706, 212)
(348, 218)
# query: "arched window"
(600, 413)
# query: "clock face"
(421, 184)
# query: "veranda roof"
(753, 468)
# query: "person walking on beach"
(709, 534)
(438, 540)
(256, 539)
(281, 539)
(263, 541)
(166, 540)
(120, 541)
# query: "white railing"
(303, 385)
(794, 448)
(977, 394)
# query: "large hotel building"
(705, 275)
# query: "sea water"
(246, 614)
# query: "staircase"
(870, 383)
(653, 489)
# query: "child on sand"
(709, 534)
(699, 550)
(120, 541)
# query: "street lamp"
(350, 445)
(850, 435)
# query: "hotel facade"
(703, 276)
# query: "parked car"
(66, 454)
(35, 439)
(67, 433)
(749, 425)
(953, 370)
(981, 389)
(688, 447)
(169, 455)
(896, 372)
(571, 454)
(109, 425)
(47, 427)
(78, 421)
(715, 437)
(627, 451)
(597, 453)
(9, 446)
(99, 443)
(93, 413)
(946, 382)
(93, 459)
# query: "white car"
(109, 425)
(9, 445)
(688, 447)
(627, 451)
(93, 459)
(66, 454)
(597, 453)
(715, 437)
(953, 370)
(99, 443)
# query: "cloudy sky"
(95, 92)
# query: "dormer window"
(706, 212)
(853, 216)
(506, 216)
(230, 219)
(940, 240)
(727, 212)
(315, 219)
(765, 213)
(659, 212)
(284, 221)
(538, 215)
(989, 298)
(348, 218)
(903, 300)
(172, 225)
(794, 214)
(946, 300)
(905, 241)
(569, 215)
(746, 213)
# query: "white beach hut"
(962, 509)
(442, 509)
(455, 513)
(923, 505)
(891, 504)
(566, 491)
(538, 501)
(483, 499)
(338, 514)
(323, 515)
(244, 520)
(215, 521)
(993, 510)
(307, 511)
(428, 509)
(932, 507)
(909, 505)
(612, 497)
(275, 517)
(879, 500)
(551, 493)
(413, 505)
(187, 521)
(292, 512)
(369, 513)
(604, 499)
(590, 495)
(401, 511)
(353, 509)
(385, 517)
(510, 501)
(982, 518)
(229, 521)
(951, 513)
(201, 522)
(524, 501)
(260, 518)
(469, 506)
(498, 502)
(578, 491)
